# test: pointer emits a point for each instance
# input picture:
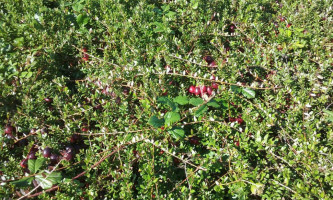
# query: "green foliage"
(107, 82)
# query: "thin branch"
(220, 82)
(288, 188)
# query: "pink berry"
(215, 85)
(48, 100)
(191, 89)
(239, 120)
(209, 90)
(232, 119)
(232, 28)
(32, 156)
(212, 77)
(84, 129)
(85, 57)
(197, 91)
(24, 163)
(9, 129)
(236, 143)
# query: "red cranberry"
(197, 91)
(213, 64)
(215, 85)
(209, 90)
(9, 129)
(47, 152)
(288, 25)
(32, 156)
(84, 49)
(191, 89)
(48, 100)
(54, 158)
(85, 57)
(239, 120)
(84, 128)
(212, 77)
(232, 28)
(232, 119)
(75, 138)
(236, 143)
(68, 156)
(24, 163)
(194, 140)
(208, 59)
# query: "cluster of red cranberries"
(67, 154)
(85, 56)
(201, 90)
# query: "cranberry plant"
(181, 99)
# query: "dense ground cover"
(166, 99)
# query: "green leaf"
(171, 117)
(156, 122)
(170, 14)
(182, 100)
(24, 182)
(196, 101)
(78, 7)
(82, 19)
(34, 165)
(213, 103)
(248, 93)
(195, 5)
(55, 177)
(235, 89)
(167, 101)
(257, 189)
(19, 41)
(159, 27)
(47, 180)
(201, 110)
(44, 183)
(177, 133)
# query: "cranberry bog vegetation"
(172, 99)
